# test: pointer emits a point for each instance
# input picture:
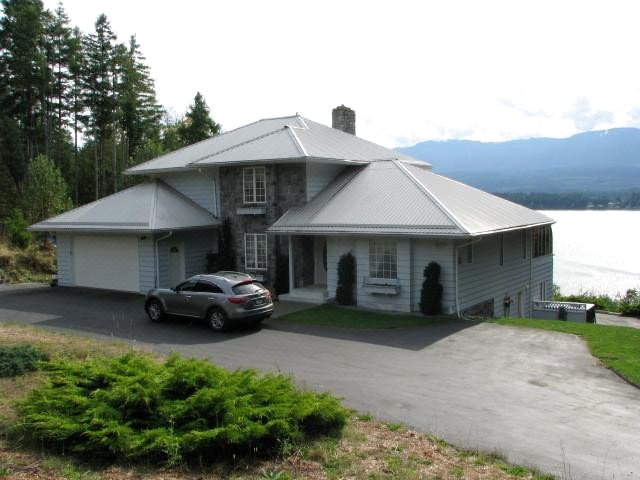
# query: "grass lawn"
(368, 449)
(345, 317)
(617, 347)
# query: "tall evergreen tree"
(23, 73)
(140, 112)
(198, 124)
(100, 99)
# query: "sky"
(412, 70)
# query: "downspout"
(455, 263)
(158, 258)
(529, 249)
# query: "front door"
(320, 260)
(176, 264)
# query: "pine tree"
(100, 100)
(45, 191)
(140, 112)
(198, 125)
(21, 83)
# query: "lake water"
(596, 251)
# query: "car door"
(179, 302)
(207, 294)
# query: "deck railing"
(571, 311)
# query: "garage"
(106, 261)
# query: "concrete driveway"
(537, 397)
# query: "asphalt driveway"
(537, 397)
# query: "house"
(299, 195)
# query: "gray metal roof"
(148, 207)
(285, 139)
(400, 198)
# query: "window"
(188, 286)
(255, 251)
(542, 241)
(383, 259)
(465, 255)
(524, 244)
(501, 247)
(542, 294)
(248, 288)
(208, 288)
(254, 185)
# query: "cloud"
(505, 102)
(584, 117)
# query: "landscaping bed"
(349, 317)
(366, 448)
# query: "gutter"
(455, 263)
(158, 257)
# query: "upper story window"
(254, 185)
(542, 241)
(383, 259)
(255, 251)
(524, 244)
(501, 247)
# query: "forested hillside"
(76, 110)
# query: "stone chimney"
(343, 118)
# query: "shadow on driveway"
(121, 315)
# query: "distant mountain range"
(598, 161)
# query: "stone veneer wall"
(286, 188)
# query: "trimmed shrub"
(431, 293)
(19, 359)
(345, 291)
(132, 408)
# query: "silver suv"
(221, 299)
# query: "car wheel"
(155, 311)
(217, 319)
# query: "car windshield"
(247, 288)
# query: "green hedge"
(18, 359)
(133, 408)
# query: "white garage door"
(106, 262)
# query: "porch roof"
(399, 198)
(148, 207)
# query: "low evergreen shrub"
(132, 408)
(16, 225)
(19, 359)
(345, 291)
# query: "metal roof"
(400, 198)
(148, 207)
(281, 139)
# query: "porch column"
(290, 263)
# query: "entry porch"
(307, 269)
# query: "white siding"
(146, 263)
(400, 302)
(486, 279)
(319, 175)
(196, 246)
(542, 271)
(64, 256)
(199, 187)
(440, 251)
